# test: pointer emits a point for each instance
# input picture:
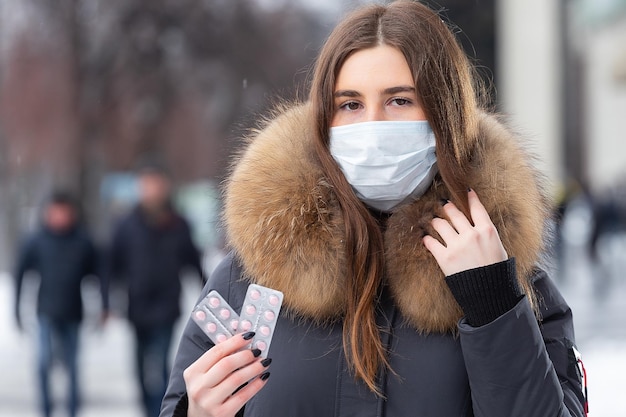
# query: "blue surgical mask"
(387, 163)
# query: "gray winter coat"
(513, 366)
(467, 345)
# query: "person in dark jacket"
(404, 225)
(150, 249)
(62, 254)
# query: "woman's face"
(376, 84)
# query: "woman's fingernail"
(444, 201)
(266, 362)
(264, 376)
(248, 335)
(256, 352)
(469, 190)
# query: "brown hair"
(445, 84)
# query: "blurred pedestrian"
(404, 225)
(149, 250)
(62, 253)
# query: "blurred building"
(603, 52)
(563, 80)
(91, 87)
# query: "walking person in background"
(62, 254)
(404, 225)
(149, 250)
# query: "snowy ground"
(105, 366)
(596, 295)
(606, 364)
(106, 362)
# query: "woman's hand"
(214, 379)
(466, 246)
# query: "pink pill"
(221, 337)
(234, 324)
(273, 300)
(224, 313)
(261, 345)
(265, 330)
(200, 315)
(214, 302)
(245, 325)
(250, 310)
(255, 294)
(269, 315)
(211, 327)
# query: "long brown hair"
(445, 84)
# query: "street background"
(91, 88)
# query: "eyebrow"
(390, 90)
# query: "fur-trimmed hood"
(284, 223)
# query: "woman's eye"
(350, 105)
(400, 101)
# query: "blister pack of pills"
(259, 314)
(216, 317)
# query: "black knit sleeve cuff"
(486, 293)
(181, 407)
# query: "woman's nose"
(375, 114)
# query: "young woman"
(403, 225)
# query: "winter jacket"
(466, 345)
(62, 260)
(149, 258)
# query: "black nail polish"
(264, 376)
(266, 362)
(444, 201)
(469, 189)
(256, 352)
(248, 336)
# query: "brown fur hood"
(284, 224)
